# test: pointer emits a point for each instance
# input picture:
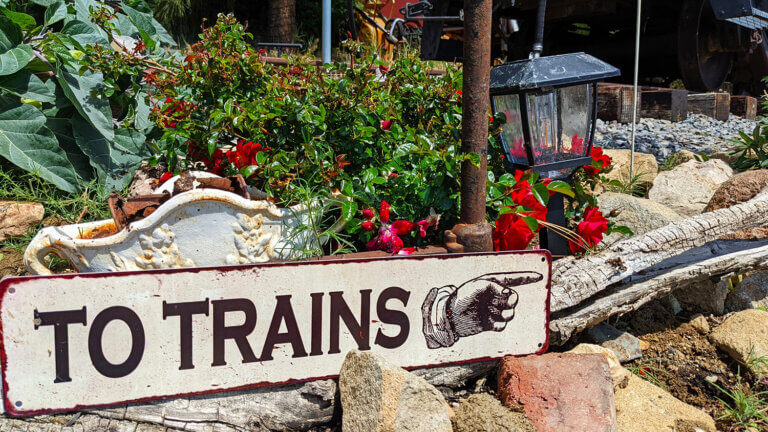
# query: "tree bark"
(282, 21)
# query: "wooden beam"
(715, 105)
(744, 106)
(665, 104)
(614, 102)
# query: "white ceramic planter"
(199, 228)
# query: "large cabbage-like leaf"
(81, 91)
(27, 85)
(85, 33)
(28, 144)
(62, 128)
(113, 162)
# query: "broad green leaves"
(15, 59)
(55, 13)
(114, 161)
(80, 90)
(26, 142)
(28, 86)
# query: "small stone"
(619, 375)
(744, 337)
(483, 412)
(646, 168)
(560, 392)
(705, 297)
(644, 345)
(641, 407)
(377, 396)
(699, 322)
(750, 293)
(16, 218)
(626, 346)
(711, 379)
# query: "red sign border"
(6, 284)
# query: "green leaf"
(541, 193)
(55, 13)
(28, 144)
(532, 223)
(248, 171)
(85, 33)
(23, 20)
(132, 141)
(44, 2)
(10, 34)
(27, 85)
(261, 157)
(15, 59)
(348, 210)
(145, 22)
(114, 164)
(81, 91)
(141, 120)
(562, 187)
(62, 129)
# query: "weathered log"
(717, 259)
(576, 280)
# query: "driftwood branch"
(713, 260)
(576, 280)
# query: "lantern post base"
(469, 238)
(554, 242)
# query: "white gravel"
(697, 133)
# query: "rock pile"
(662, 138)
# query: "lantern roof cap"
(549, 71)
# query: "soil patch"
(11, 262)
(679, 359)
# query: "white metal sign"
(88, 340)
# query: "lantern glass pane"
(543, 124)
(512, 129)
(575, 114)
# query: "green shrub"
(72, 102)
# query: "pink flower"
(368, 213)
(424, 225)
(407, 251)
(386, 124)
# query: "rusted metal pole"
(473, 234)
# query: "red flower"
(600, 162)
(383, 69)
(393, 175)
(386, 124)
(521, 195)
(164, 178)
(368, 226)
(511, 233)
(384, 212)
(407, 251)
(403, 227)
(244, 154)
(341, 163)
(368, 214)
(591, 229)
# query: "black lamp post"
(550, 105)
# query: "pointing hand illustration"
(481, 304)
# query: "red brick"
(560, 392)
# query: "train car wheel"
(704, 64)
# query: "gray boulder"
(750, 293)
(688, 188)
(639, 214)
